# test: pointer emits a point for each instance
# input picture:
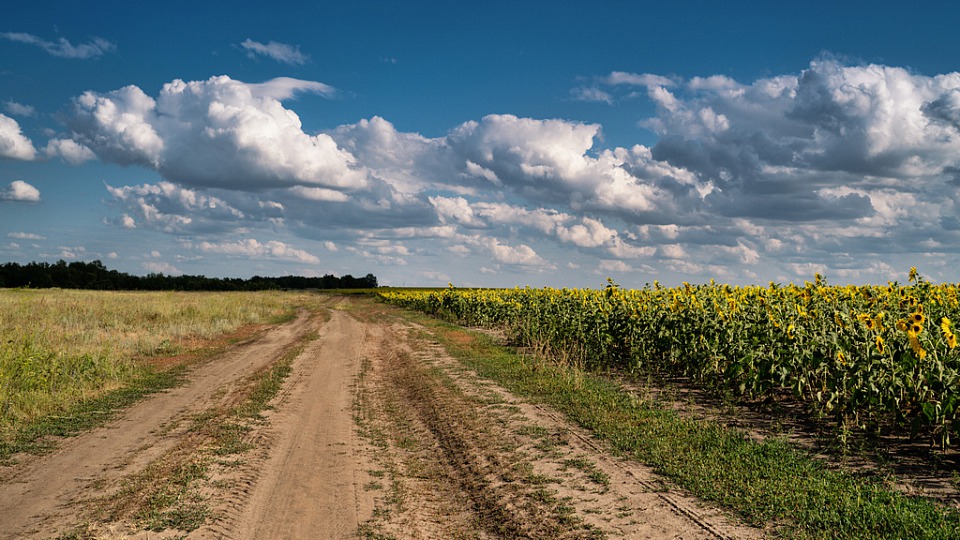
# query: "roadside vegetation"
(68, 359)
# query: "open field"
(63, 348)
(353, 418)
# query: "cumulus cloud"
(816, 167)
(281, 52)
(69, 150)
(13, 144)
(251, 248)
(408, 162)
(549, 160)
(519, 255)
(608, 265)
(20, 191)
(170, 208)
(770, 147)
(215, 133)
(63, 48)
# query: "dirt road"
(376, 433)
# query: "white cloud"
(614, 266)
(455, 210)
(284, 88)
(319, 194)
(672, 251)
(171, 208)
(71, 151)
(13, 144)
(516, 255)
(19, 109)
(591, 93)
(254, 249)
(832, 166)
(157, 267)
(63, 48)
(25, 236)
(408, 162)
(20, 191)
(281, 52)
(548, 160)
(215, 133)
(637, 79)
(830, 126)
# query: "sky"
(485, 144)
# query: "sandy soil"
(377, 433)
(37, 495)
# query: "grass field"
(63, 350)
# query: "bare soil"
(377, 433)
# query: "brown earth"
(376, 433)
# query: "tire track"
(38, 498)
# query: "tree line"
(94, 275)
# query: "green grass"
(69, 358)
(37, 436)
(769, 484)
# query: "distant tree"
(94, 275)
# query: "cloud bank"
(838, 166)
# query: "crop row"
(877, 358)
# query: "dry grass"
(62, 347)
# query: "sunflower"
(915, 344)
(879, 343)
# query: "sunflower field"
(871, 358)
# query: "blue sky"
(485, 144)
